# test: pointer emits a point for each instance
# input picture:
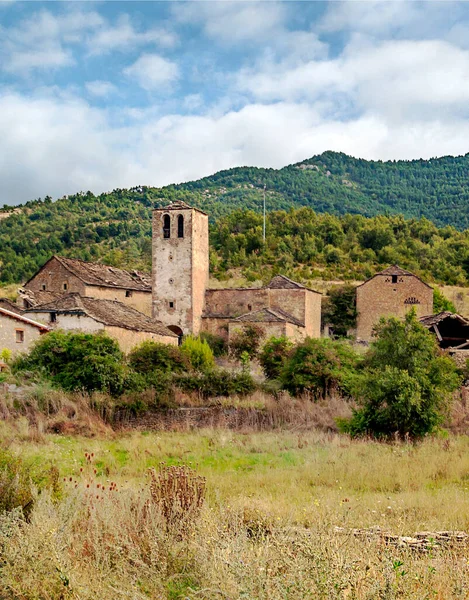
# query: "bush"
(216, 383)
(15, 484)
(441, 302)
(320, 367)
(77, 361)
(274, 355)
(246, 341)
(154, 356)
(406, 384)
(198, 353)
(217, 343)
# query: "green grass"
(267, 530)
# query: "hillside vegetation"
(115, 227)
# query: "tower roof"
(180, 205)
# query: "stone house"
(392, 292)
(183, 301)
(61, 276)
(125, 324)
(18, 332)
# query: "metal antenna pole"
(263, 229)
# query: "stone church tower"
(180, 266)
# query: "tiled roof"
(38, 297)
(269, 315)
(108, 312)
(180, 205)
(22, 319)
(103, 275)
(284, 283)
(9, 305)
(431, 320)
(395, 270)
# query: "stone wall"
(54, 277)
(380, 297)
(128, 338)
(8, 337)
(236, 302)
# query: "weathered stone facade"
(180, 266)
(64, 276)
(17, 332)
(392, 292)
(182, 301)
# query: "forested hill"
(115, 227)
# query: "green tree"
(273, 356)
(319, 367)
(77, 361)
(406, 383)
(154, 356)
(198, 353)
(247, 340)
(441, 302)
(340, 309)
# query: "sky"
(104, 95)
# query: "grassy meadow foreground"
(267, 528)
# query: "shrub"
(77, 361)
(320, 367)
(154, 356)
(441, 302)
(15, 484)
(179, 494)
(340, 309)
(247, 340)
(198, 353)
(216, 342)
(274, 355)
(406, 383)
(216, 383)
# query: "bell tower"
(180, 266)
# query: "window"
(180, 226)
(128, 294)
(166, 227)
(19, 336)
(249, 307)
(171, 304)
(394, 278)
(53, 317)
(43, 287)
(65, 286)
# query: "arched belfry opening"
(180, 226)
(166, 227)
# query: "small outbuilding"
(18, 332)
(451, 329)
(125, 324)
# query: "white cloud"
(39, 41)
(232, 22)
(398, 79)
(124, 36)
(402, 18)
(100, 88)
(153, 72)
(62, 145)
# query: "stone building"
(183, 301)
(392, 292)
(61, 276)
(125, 324)
(17, 332)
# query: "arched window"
(166, 226)
(180, 226)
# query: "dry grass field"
(277, 521)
